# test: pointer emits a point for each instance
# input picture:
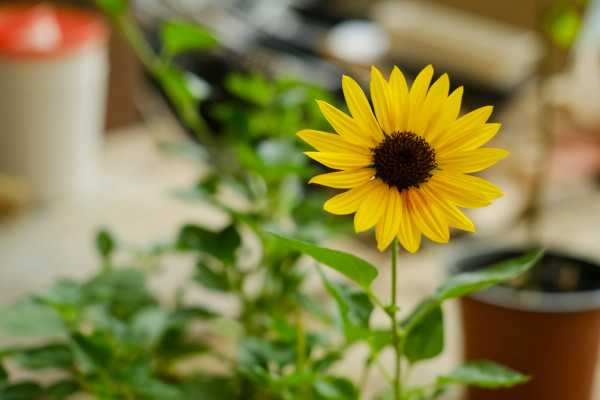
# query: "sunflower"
(405, 161)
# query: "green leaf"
(426, 339)
(378, 340)
(179, 88)
(105, 243)
(562, 24)
(256, 354)
(54, 355)
(356, 269)
(354, 307)
(62, 390)
(334, 388)
(144, 385)
(123, 291)
(148, 326)
(112, 6)
(185, 314)
(221, 245)
(3, 375)
(484, 374)
(30, 319)
(327, 361)
(178, 37)
(22, 391)
(470, 282)
(209, 387)
(211, 278)
(253, 88)
(91, 352)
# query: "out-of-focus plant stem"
(158, 67)
(393, 313)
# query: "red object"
(44, 31)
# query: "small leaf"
(470, 282)
(148, 326)
(356, 269)
(91, 352)
(221, 245)
(123, 291)
(105, 243)
(211, 278)
(210, 387)
(379, 339)
(55, 355)
(112, 6)
(178, 37)
(354, 307)
(3, 375)
(62, 390)
(30, 319)
(253, 88)
(426, 339)
(334, 388)
(327, 360)
(484, 374)
(21, 391)
(562, 24)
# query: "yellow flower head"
(406, 164)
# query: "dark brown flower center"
(404, 160)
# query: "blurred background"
(103, 151)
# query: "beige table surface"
(132, 198)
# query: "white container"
(53, 75)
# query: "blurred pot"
(53, 70)
(549, 330)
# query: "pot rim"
(533, 300)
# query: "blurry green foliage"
(112, 337)
(179, 37)
(563, 21)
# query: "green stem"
(301, 352)
(157, 66)
(393, 311)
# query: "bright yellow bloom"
(407, 160)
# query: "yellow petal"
(447, 115)
(461, 129)
(360, 108)
(345, 125)
(399, 100)
(340, 160)
(344, 179)
(417, 94)
(477, 137)
(428, 218)
(349, 201)
(464, 190)
(330, 142)
(382, 103)
(471, 160)
(409, 235)
(455, 217)
(372, 208)
(436, 97)
(389, 225)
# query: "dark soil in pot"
(546, 325)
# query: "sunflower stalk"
(393, 313)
